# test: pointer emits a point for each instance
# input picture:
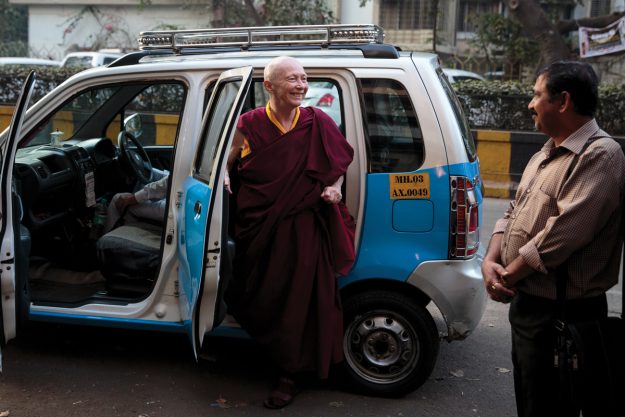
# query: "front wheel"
(390, 343)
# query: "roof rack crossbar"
(246, 37)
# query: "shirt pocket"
(536, 212)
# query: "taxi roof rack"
(368, 38)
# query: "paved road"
(66, 371)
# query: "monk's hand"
(331, 195)
(227, 182)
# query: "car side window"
(323, 93)
(395, 140)
(218, 116)
(160, 109)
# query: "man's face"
(289, 84)
(544, 108)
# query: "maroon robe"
(290, 243)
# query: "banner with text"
(607, 40)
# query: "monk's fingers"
(331, 195)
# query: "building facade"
(63, 26)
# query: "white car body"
(455, 75)
(29, 62)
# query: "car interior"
(110, 137)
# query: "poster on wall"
(602, 41)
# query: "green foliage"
(291, 12)
(233, 13)
(13, 29)
(501, 40)
(502, 105)
(612, 108)
(489, 105)
(12, 78)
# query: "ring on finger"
(494, 286)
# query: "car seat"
(130, 256)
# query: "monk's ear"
(268, 86)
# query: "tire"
(390, 343)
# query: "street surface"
(66, 371)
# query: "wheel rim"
(381, 347)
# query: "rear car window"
(463, 123)
(395, 140)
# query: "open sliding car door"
(10, 278)
(200, 228)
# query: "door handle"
(197, 208)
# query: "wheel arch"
(374, 284)
(415, 293)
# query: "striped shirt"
(554, 219)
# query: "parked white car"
(28, 62)
(455, 75)
(324, 95)
(90, 59)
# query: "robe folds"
(290, 243)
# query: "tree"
(228, 13)
(13, 29)
(539, 27)
(501, 41)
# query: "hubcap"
(381, 347)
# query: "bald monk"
(292, 229)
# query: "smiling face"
(544, 108)
(287, 83)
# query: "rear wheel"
(390, 343)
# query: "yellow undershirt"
(246, 146)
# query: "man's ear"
(566, 102)
(268, 86)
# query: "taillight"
(465, 232)
(325, 101)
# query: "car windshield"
(97, 112)
(73, 115)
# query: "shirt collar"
(576, 140)
(277, 123)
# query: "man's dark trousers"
(536, 380)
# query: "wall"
(503, 157)
(118, 26)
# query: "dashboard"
(55, 182)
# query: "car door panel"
(199, 239)
(10, 280)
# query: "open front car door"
(200, 240)
(13, 279)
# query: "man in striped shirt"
(566, 216)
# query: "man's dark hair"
(576, 78)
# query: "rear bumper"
(457, 289)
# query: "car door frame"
(199, 284)
(11, 298)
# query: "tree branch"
(566, 26)
(258, 19)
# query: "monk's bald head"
(279, 65)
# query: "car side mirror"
(132, 125)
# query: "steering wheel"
(135, 156)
